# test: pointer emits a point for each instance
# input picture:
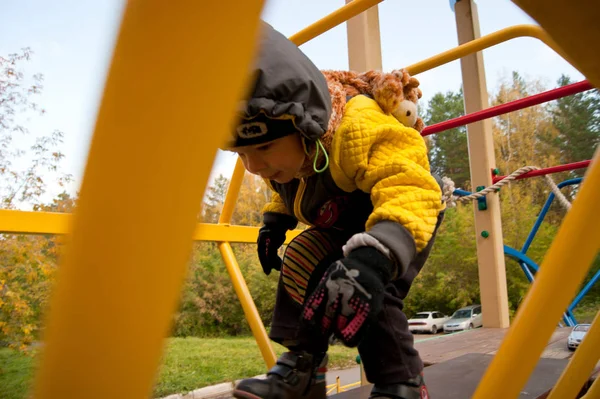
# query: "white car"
(464, 319)
(427, 322)
(577, 335)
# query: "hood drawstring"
(324, 168)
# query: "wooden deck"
(441, 348)
(455, 363)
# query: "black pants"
(387, 349)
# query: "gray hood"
(289, 94)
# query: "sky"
(73, 41)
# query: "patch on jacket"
(330, 211)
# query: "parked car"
(464, 319)
(576, 336)
(427, 322)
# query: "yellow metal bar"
(574, 248)
(594, 391)
(23, 222)
(484, 42)
(241, 289)
(350, 386)
(581, 365)
(232, 192)
(578, 37)
(119, 282)
(237, 278)
(225, 232)
(332, 20)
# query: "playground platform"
(455, 363)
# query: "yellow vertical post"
(241, 289)
(576, 244)
(581, 365)
(364, 40)
(233, 191)
(151, 153)
(594, 391)
(363, 376)
(237, 278)
(490, 252)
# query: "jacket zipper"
(298, 202)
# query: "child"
(361, 180)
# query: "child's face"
(278, 160)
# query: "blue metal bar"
(520, 257)
(584, 290)
(461, 193)
(572, 317)
(526, 263)
(542, 214)
(527, 272)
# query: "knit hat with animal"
(396, 92)
(290, 95)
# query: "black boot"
(296, 375)
(412, 389)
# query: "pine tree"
(577, 119)
(449, 151)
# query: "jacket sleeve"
(375, 153)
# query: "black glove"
(271, 237)
(349, 295)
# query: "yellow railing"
(119, 282)
(562, 271)
(338, 388)
(482, 43)
(239, 284)
(583, 362)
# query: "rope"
(450, 198)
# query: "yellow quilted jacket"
(380, 174)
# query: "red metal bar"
(547, 171)
(536, 99)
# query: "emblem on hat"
(252, 130)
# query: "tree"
(27, 271)
(17, 102)
(214, 200)
(27, 262)
(254, 194)
(523, 137)
(209, 305)
(577, 119)
(449, 153)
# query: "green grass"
(16, 371)
(191, 363)
(586, 313)
(188, 364)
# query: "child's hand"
(349, 295)
(271, 237)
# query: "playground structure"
(107, 342)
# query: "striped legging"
(313, 248)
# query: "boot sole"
(244, 395)
(247, 395)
